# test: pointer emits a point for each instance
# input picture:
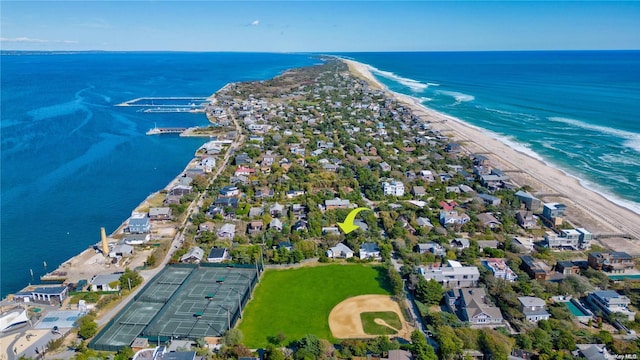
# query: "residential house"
(431, 247)
(585, 237)
(609, 302)
(208, 164)
(531, 202)
(427, 175)
(330, 230)
(227, 231)
(208, 226)
(424, 222)
(242, 159)
(160, 213)
(340, 251)
(384, 166)
(242, 170)
(294, 193)
(523, 244)
(567, 268)
(370, 250)
(193, 256)
(255, 226)
(337, 203)
(592, 352)
(533, 308)
(399, 355)
(500, 269)
(218, 255)
(276, 210)
(226, 202)
(526, 219)
(553, 210)
(611, 262)
(489, 221)
(275, 224)
(300, 225)
(452, 276)
(473, 305)
(459, 243)
(139, 224)
(449, 218)
(229, 191)
(181, 190)
(137, 239)
(255, 212)
(418, 191)
(489, 199)
(453, 148)
(264, 193)
(121, 250)
(285, 245)
(536, 269)
(106, 282)
(299, 211)
(393, 188)
(491, 244)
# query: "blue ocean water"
(575, 110)
(72, 162)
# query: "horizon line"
(314, 52)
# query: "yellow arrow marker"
(347, 226)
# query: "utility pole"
(129, 281)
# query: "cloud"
(255, 22)
(24, 39)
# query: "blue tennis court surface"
(63, 319)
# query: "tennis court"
(63, 319)
(182, 302)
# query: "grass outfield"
(370, 326)
(297, 302)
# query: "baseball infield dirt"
(344, 319)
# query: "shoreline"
(587, 207)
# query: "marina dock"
(165, 130)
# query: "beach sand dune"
(585, 207)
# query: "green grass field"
(296, 302)
(370, 327)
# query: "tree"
(450, 345)
(274, 353)
(420, 348)
(495, 345)
(429, 292)
(87, 327)
(130, 278)
(233, 337)
(311, 345)
(125, 353)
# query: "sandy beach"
(586, 208)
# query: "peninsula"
(470, 247)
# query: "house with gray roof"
(608, 302)
(106, 282)
(459, 243)
(432, 247)
(592, 352)
(340, 251)
(227, 231)
(473, 305)
(531, 202)
(337, 203)
(370, 250)
(533, 308)
(193, 256)
(275, 224)
(139, 225)
(160, 213)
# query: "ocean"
(72, 162)
(575, 110)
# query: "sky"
(318, 26)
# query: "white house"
(533, 308)
(106, 282)
(217, 255)
(393, 188)
(340, 251)
(370, 250)
(227, 231)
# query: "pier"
(166, 130)
(168, 101)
